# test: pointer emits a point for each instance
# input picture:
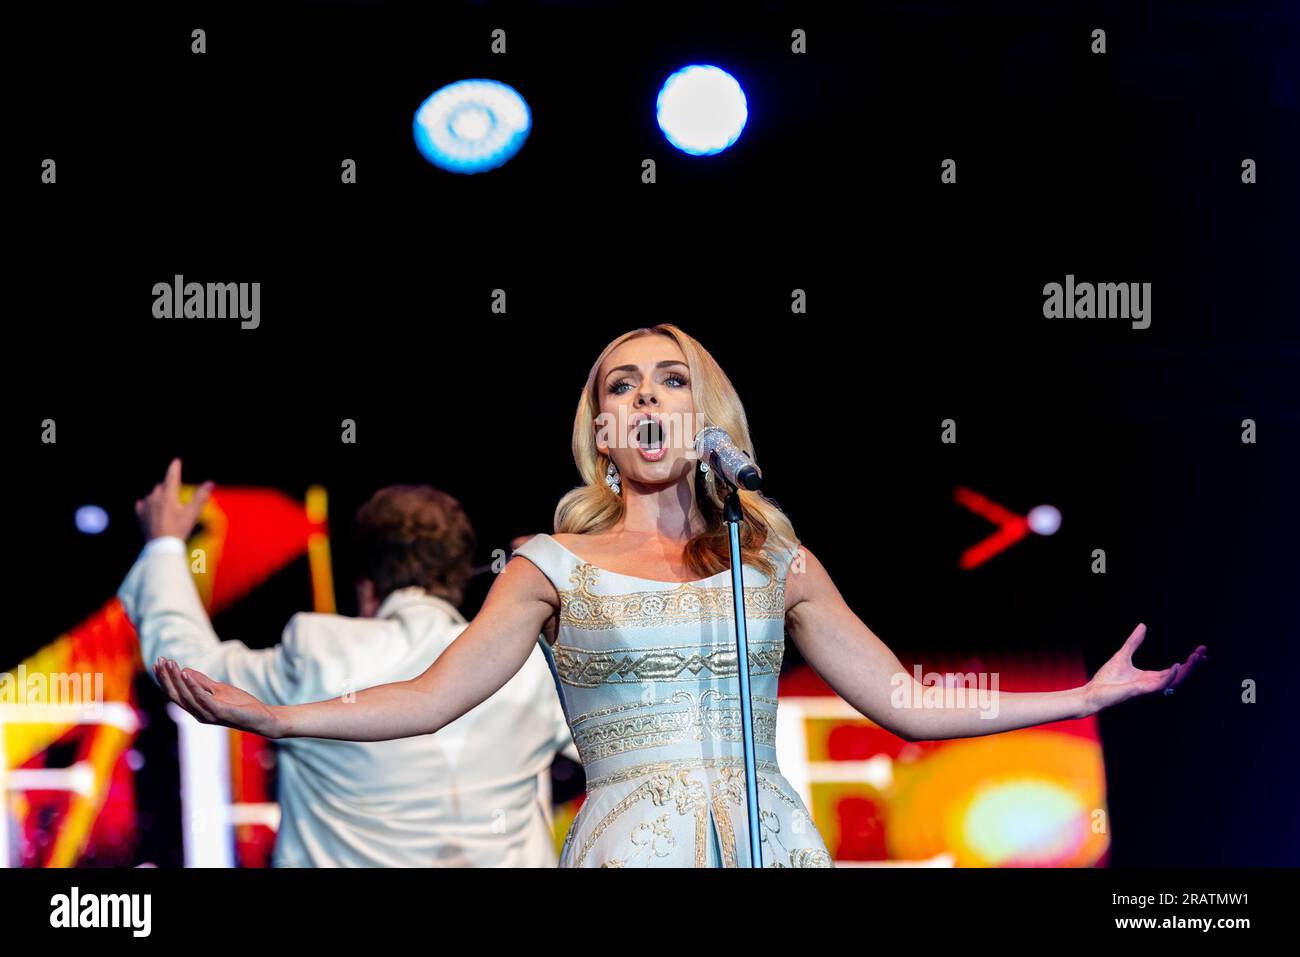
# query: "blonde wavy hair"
(594, 506)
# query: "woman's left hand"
(1118, 679)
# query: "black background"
(925, 302)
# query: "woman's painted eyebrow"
(658, 365)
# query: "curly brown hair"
(415, 535)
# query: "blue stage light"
(91, 519)
(702, 109)
(472, 125)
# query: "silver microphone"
(716, 450)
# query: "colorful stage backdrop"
(69, 718)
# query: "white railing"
(79, 778)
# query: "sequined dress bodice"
(647, 675)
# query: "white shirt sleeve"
(166, 544)
(162, 602)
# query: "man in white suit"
(474, 794)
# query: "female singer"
(633, 603)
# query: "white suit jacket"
(475, 793)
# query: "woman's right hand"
(212, 702)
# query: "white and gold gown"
(646, 672)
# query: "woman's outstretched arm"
(483, 657)
(863, 671)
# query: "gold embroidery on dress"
(691, 800)
(680, 805)
(810, 857)
(615, 709)
(612, 709)
(730, 786)
(689, 797)
(659, 728)
(590, 669)
(771, 835)
(658, 837)
(701, 835)
(659, 767)
(582, 608)
(660, 788)
(655, 788)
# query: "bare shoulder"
(806, 580)
(592, 546)
(577, 538)
(522, 580)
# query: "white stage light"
(1044, 519)
(471, 126)
(91, 519)
(702, 109)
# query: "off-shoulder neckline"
(635, 578)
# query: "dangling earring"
(703, 466)
(612, 478)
